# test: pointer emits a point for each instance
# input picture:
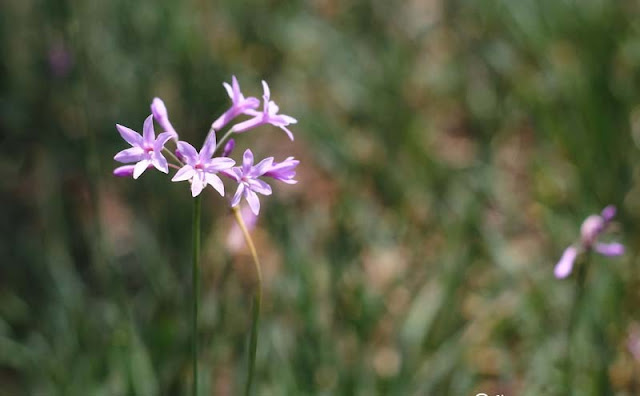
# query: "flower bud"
(228, 148)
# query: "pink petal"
(132, 137)
(189, 154)
(140, 168)
(133, 154)
(160, 162)
(260, 187)
(162, 139)
(209, 146)
(609, 249)
(184, 173)
(565, 265)
(284, 128)
(197, 185)
(219, 163)
(254, 201)
(229, 90)
(267, 91)
(247, 161)
(148, 134)
(215, 182)
(238, 195)
(262, 167)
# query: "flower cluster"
(592, 227)
(201, 168)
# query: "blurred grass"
(449, 151)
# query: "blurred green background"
(449, 152)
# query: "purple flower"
(146, 150)
(248, 183)
(592, 227)
(160, 114)
(269, 115)
(200, 167)
(283, 171)
(240, 104)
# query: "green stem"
(195, 289)
(222, 141)
(581, 276)
(257, 301)
(173, 156)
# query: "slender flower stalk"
(201, 168)
(195, 251)
(573, 320)
(257, 301)
(580, 254)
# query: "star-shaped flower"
(200, 167)
(248, 183)
(240, 104)
(268, 115)
(146, 150)
(592, 227)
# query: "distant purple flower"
(200, 167)
(240, 104)
(160, 114)
(592, 227)
(146, 149)
(248, 183)
(283, 171)
(268, 115)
